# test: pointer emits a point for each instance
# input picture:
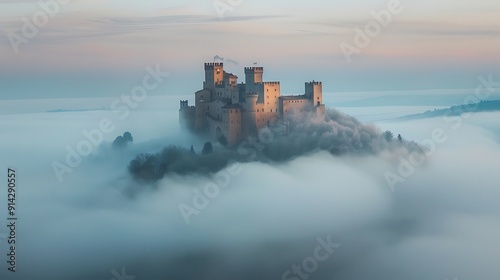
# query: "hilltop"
(457, 110)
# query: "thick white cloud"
(441, 222)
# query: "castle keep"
(226, 109)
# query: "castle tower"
(184, 104)
(251, 102)
(214, 74)
(314, 90)
(250, 116)
(253, 75)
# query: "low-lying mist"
(442, 222)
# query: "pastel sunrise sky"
(101, 47)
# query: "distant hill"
(77, 110)
(426, 98)
(457, 110)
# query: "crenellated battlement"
(314, 83)
(212, 65)
(271, 83)
(185, 105)
(253, 69)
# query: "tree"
(388, 135)
(144, 166)
(400, 139)
(191, 150)
(128, 137)
(122, 141)
(207, 148)
(223, 140)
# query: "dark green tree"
(388, 135)
(207, 148)
(127, 136)
(223, 140)
(122, 141)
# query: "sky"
(101, 48)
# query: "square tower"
(214, 74)
(253, 75)
(314, 91)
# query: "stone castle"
(226, 109)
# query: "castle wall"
(261, 117)
(232, 125)
(215, 128)
(202, 98)
(219, 92)
(249, 116)
(235, 94)
(214, 109)
(187, 117)
(259, 90)
(290, 107)
(263, 110)
(272, 91)
(231, 92)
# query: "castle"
(226, 109)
